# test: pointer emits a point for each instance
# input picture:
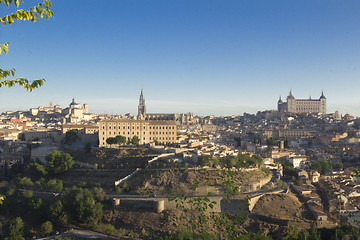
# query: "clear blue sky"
(218, 57)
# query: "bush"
(16, 229)
(24, 182)
(46, 228)
(81, 205)
(54, 185)
(27, 194)
(59, 162)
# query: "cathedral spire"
(142, 106)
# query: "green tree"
(16, 229)
(54, 185)
(111, 141)
(33, 14)
(321, 166)
(24, 182)
(120, 140)
(37, 169)
(59, 162)
(46, 228)
(135, 140)
(56, 209)
(99, 193)
(81, 205)
(71, 136)
(206, 160)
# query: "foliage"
(288, 169)
(206, 160)
(54, 185)
(196, 207)
(271, 142)
(16, 169)
(27, 194)
(16, 229)
(71, 136)
(59, 162)
(111, 141)
(109, 229)
(321, 166)
(46, 228)
(81, 205)
(120, 140)
(37, 169)
(56, 209)
(196, 225)
(33, 14)
(24, 182)
(135, 140)
(99, 193)
(240, 161)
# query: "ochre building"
(148, 131)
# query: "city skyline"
(205, 57)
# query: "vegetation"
(46, 228)
(120, 140)
(288, 169)
(271, 142)
(37, 169)
(16, 229)
(59, 162)
(135, 140)
(323, 165)
(240, 161)
(72, 136)
(33, 14)
(81, 205)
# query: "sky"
(208, 57)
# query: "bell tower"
(141, 107)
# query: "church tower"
(141, 107)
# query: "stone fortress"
(294, 105)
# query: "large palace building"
(148, 131)
(294, 105)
